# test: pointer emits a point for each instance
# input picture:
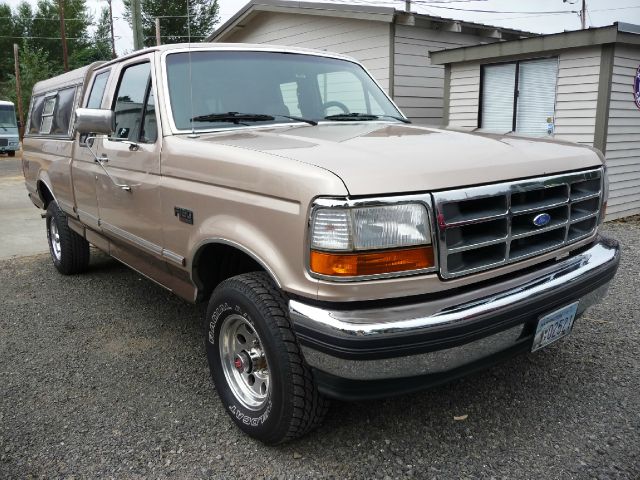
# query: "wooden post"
(18, 90)
(136, 22)
(113, 38)
(158, 41)
(63, 35)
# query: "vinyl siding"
(367, 41)
(464, 95)
(418, 85)
(623, 137)
(577, 95)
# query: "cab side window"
(149, 132)
(97, 90)
(134, 105)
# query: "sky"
(520, 14)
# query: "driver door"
(128, 196)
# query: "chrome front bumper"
(446, 333)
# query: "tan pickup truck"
(344, 252)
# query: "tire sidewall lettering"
(241, 414)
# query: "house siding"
(419, 85)
(623, 137)
(367, 41)
(464, 96)
(577, 95)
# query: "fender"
(242, 248)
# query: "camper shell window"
(51, 113)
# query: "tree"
(34, 66)
(6, 41)
(173, 22)
(99, 48)
(46, 25)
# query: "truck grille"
(4, 142)
(485, 227)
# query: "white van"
(9, 141)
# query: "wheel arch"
(217, 259)
(45, 192)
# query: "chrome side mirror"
(95, 120)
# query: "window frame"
(93, 85)
(516, 89)
(47, 98)
(148, 89)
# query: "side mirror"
(95, 120)
(19, 123)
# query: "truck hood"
(382, 158)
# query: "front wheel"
(69, 251)
(256, 364)
(12, 153)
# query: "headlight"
(372, 240)
(13, 144)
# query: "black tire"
(293, 405)
(11, 153)
(73, 254)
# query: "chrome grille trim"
(573, 202)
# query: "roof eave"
(361, 12)
(544, 43)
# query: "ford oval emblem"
(541, 220)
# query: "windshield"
(277, 85)
(7, 118)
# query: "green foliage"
(173, 21)
(37, 33)
(34, 66)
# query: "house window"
(519, 97)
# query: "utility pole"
(136, 21)
(63, 35)
(583, 14)
(18, 90)
(113, 38)
(407, 6)
(158, 42)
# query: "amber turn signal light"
(371, 263)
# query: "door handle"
(101, 161)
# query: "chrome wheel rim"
(244, 362)
(54, 239)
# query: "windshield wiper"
(355, 116)
(297, 119)
(235, 117)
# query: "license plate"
(554, 326)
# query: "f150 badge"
(183, 214)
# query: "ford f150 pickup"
(344, 252)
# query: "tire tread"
(310, 407)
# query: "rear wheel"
(256, 364)
(69, 251)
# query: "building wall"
(464, 95)
(366, 40)
(623, 138)
(577, 94)
(419, 85)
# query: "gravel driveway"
(104, 375)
